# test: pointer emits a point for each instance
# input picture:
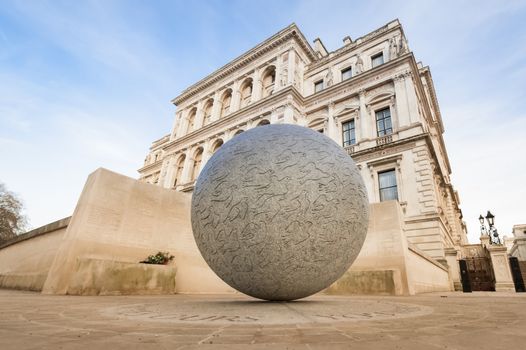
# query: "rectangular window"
(318, 86)
(377, 60)
(348, 130)
(346, 73)
(387, 184)
(383, 122)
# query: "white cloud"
(94, 80)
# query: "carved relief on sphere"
(280, 212)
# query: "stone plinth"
(501, 268)
(120, 221)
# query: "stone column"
(199, 115)
(501, 268)
(453, 268)
(236, 97)
(175, 125)
(332, 128)
(257, 87)
(412, 100)
(183, 124)
(365, 122)
(274, 116)
(169, 178)
(402, 103)
(216, 107)
(395, 122)
(279, 67)
(207, 154)
(187, 167)
(292, 66)
(357, 125)
(288, 113)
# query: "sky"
(87, 84)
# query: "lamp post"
(492, 230)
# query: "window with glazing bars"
(318, 86)
(383, 122)
(377, 60)
(387, 184)
(346, 73)
(348, 130)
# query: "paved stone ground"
(431, 321)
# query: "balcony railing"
(187, 187)
(349, 149)
(384, 140)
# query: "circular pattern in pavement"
(228, 311)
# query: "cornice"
(427, 112)
(395, 146)
(360, 42)
(151, 166)
(372, 77)
(220, 124)
(427, 73)
(159, 142)
(290, 32)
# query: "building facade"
(370, 96)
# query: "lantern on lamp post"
(492, 230)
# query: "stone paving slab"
(431, 321)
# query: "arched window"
(246, 92)
(208, 111)
(179, 170)
(197, 163)
(191, 120)
(225, 102)
(238, 132)
(216, 145)
(263, 122)
(269, 78)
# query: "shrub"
(161, 258)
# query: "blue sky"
(85, 84)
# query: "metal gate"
(479, 273)
(517, 275)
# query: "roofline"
(358, 42)
(291, 31)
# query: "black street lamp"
(491, 218)
(492, 231)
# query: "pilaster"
(187, 167)
(453, 268)
(365, 122)
(169, 177)
(257, 87)
(332, 129)
(402, 103)
(216, 107)
(183, 125)
(207, 154)
(236, 97)
(292, 66)
(199, 115)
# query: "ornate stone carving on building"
(280, 212)
(329, 78)
(358, 65)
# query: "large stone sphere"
(280, 212)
